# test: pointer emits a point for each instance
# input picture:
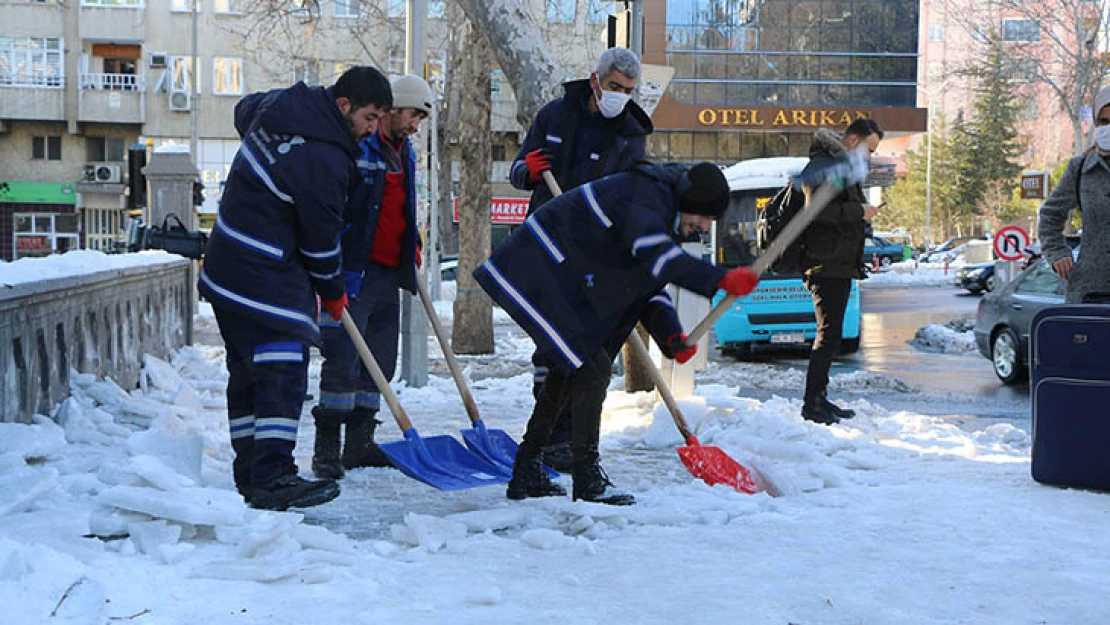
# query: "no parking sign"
(1010, 242)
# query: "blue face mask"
(1102, 138)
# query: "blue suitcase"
(1070, 387)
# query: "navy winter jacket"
(276, 240)
(592, 262)
(365, 205)
(585, 145)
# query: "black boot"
(559, 456)
(592, 484)
(529, 477)
(359, 448)
(293, 491)
(325, 454)
(840, 413)
(813, 409)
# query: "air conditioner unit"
(105, 174)
(180, 100)
(159, 59)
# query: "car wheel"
(849, 346)
(886, 261)
(1006, 357)
(974, 290)
(990, 283)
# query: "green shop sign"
(14, 192)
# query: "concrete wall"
(98, 323)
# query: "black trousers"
(581, 392)
(830, 300)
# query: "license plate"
(788, 337)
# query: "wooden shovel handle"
(794, 228)
(376, 372)
(448, 353)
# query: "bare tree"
(472, 332)
(1060, 44)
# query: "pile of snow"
(955, 337)
(908, 272)
(76, 263)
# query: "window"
(934, 70)
(46, 148)
(103, 229)
(397, 8)
(436, 9)
(42, 234)
(227, 76)
(104, 149)
(305, 8)
(227, 6)
(112, 3)
(31, 61)
(307, 71)
(346, 8)
(560, 11)
(497, 86)
(1040, 281)
(936, 32)
(178, 6)
(1020, 30)
(182, 75)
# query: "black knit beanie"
(703, 190)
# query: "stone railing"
(100, 323)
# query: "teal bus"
(780, 311)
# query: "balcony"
(116, 23)
(112, 98)
(38, 96)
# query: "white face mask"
(1102, 138)
(612, 103)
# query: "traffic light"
(198, 193)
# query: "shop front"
(37, 219)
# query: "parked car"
(888, 252)
(1004, 316)
(448, 267)
(949, 250)
(976, 278)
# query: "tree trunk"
(521, 51)
(473, 328)
(636, 376)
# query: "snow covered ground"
(120, 509)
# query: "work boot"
(592, 484)
(558, 456)
(530, 479)
(325, 453)
(814, 410)
(293, 491)
(359, 448)
(840, 413)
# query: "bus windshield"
(752, 183)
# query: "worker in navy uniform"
(592, 131)
(381, 253)
(273, 250)
(588, 266)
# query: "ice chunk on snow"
(21, 488)
(182, 453)
(79, 428)
(198, 506)
(150, 535)
(269, 570)
(105, 522)
(490, 520)
(429, 532)
(159, 374)
(664, 433)
(316, 537)
(158, 473)
(13, 564)
(33, 442)
(546, 539)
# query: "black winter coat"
(585, 145)
(276, 240)
(591, 263)
(834, 241)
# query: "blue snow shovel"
(493, 446)
(439, 461)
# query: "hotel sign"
(778, 117)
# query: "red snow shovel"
(493, 446)
(705, 462)
(439, 461)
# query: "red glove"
(538, 161)
(739, 282)
(682, 353)
(419, 251)
(335, 307)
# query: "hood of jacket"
(634, 120)
(827, 142)
(309, 112)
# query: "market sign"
(503, 210)
(29, 245)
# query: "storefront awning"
(15, 192)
